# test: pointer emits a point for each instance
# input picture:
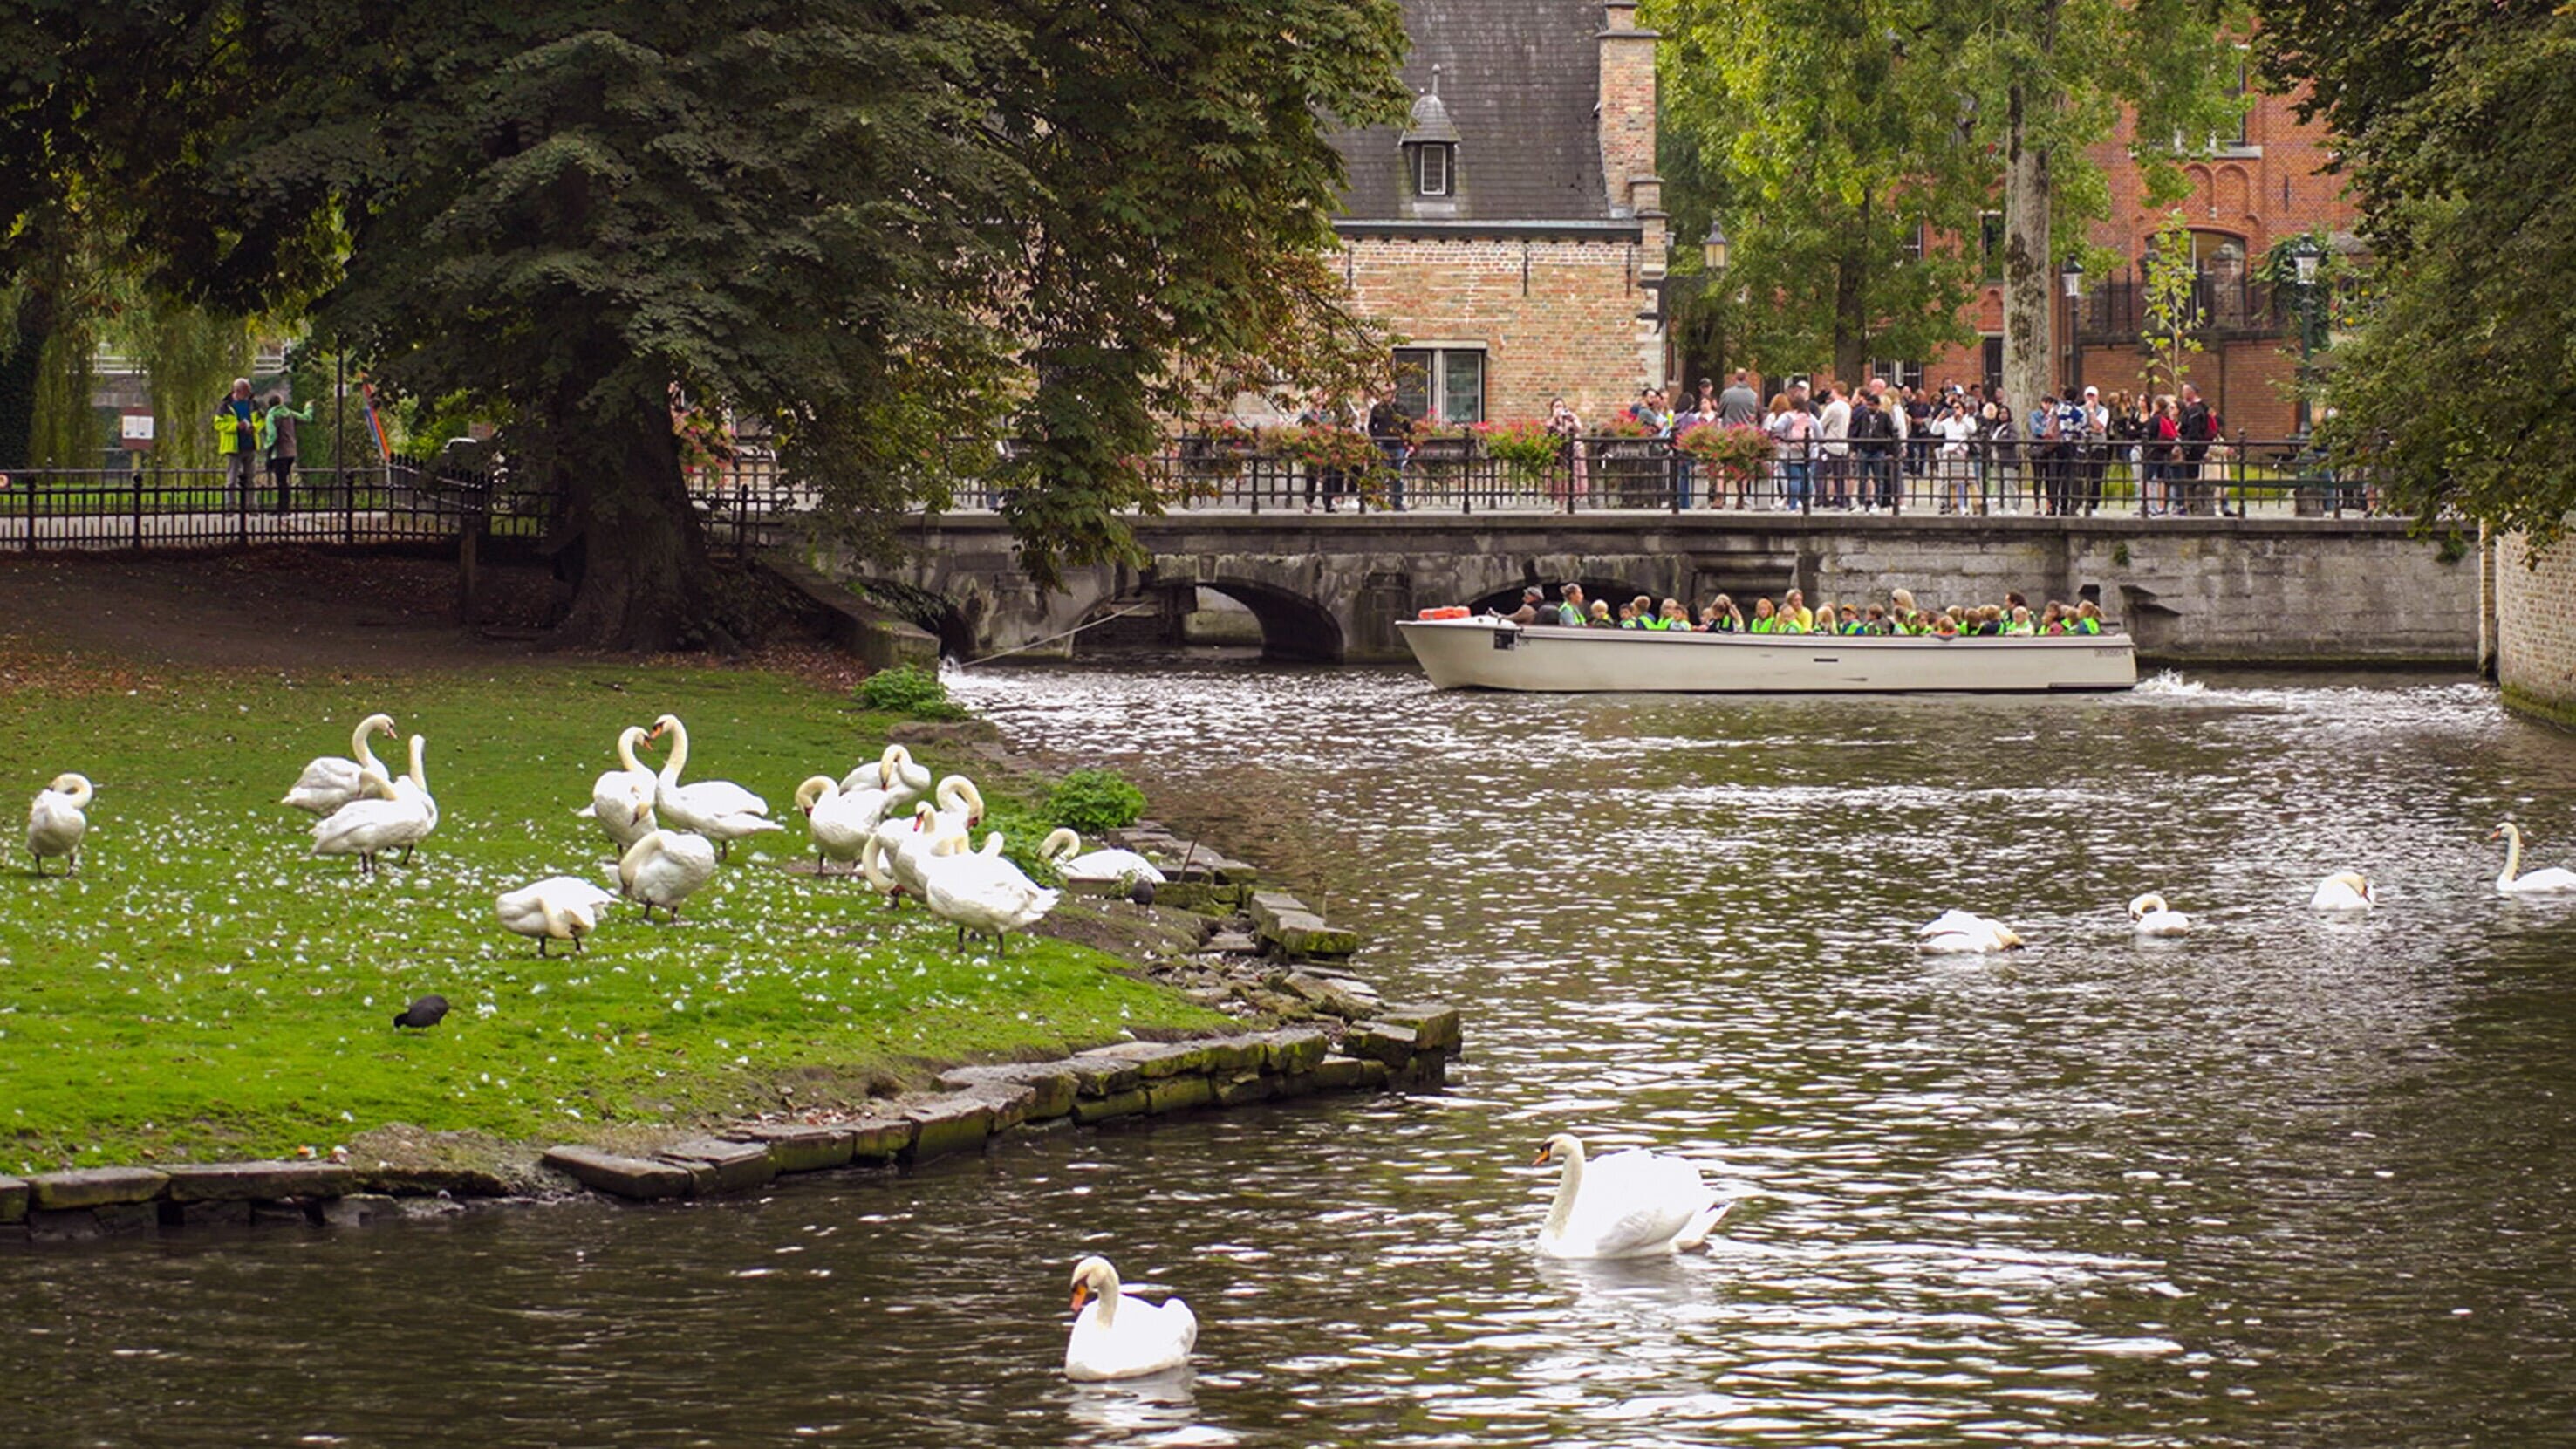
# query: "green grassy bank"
(209, 988)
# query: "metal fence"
(1453, 473)
(406, 501)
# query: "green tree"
(871, 226)
(1842, 156)
(2458, 387)
(2173, 303)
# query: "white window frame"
(1435, 387)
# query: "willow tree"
(875, 226)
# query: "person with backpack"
(241, 432)
(2197, 426)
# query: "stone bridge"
(1330, 587)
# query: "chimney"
(1626, 113)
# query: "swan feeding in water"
(1063, 850)
(1629, 1204)
(1964, 933)
(2347, 890)
(1117, 1336)
(720, 810)
(981, 892)
(330, 782)
(2150, 916)
(2547, 881)
(664, 868)
(558, 908)
(58, 821)
(614, 794)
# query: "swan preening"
(1627, 1205)
(720, 810)
(329, 782)
(2347, 890)
(839, 819)
(1963, 933)
(2548, 881)
(892, 772)
(981, 892)
(891, 858)
(2150, 916)
(664, 868)
(615, 794)
(1063, 850)
(558, 908)
(389, 814)
(1117, 1336)
(58, 821)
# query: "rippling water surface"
(2288, 1181)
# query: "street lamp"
(2304, 256)
(1714, 248)
(2073, 280)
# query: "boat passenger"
(1676, 617)
(1601, 615)
(1900, 612)
(1570, 613)
(1627, 616)
(2052, 620)
(1533, 602)
(1851, 621)
(1944, 627)
(1721, 617)
(2021, 626)
(1876, 623)
(2088, 618)
(1794, 606)
(1990, 622)
(1765, 619)
(1645, 607)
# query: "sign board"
(134, 430)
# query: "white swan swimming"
(981, 892)
(1116, 1336)
(1627, 1205)
(614, 794)
(893, 772)
(1963, 933)
(58, 821)
(720, 810)
(558, 908)
(2150, 916)
(382, 818)
(1063, 850)
(2548, 881)
(330, 782)
(839, 820)
(2347, 890)
(664, 868)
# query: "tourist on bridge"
(1738, 405)
(1392, 431)
(1833, 430)
(279, 426)
(238, 438)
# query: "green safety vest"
(1766, 626)
(2088, 626)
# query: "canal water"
(2289, 1181)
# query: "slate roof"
(1519, 79)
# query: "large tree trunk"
(1851, 300)
(22, 353)
(2029, 303)
(644, 568)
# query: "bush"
(1095, 802)
(908, 690)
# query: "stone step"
(620, 1176)
(91, 1187)
(258, 1181)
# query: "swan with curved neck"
(2345, 890)
(58, 821)
(388, 814)
(1063, 850)
(2150, 916)
(558, 908)
(1628, 1205)
(330, 782)
(664, 868)
(720, 810)
(1965, 933)
(614, 794)
(840, 821)
(981, 891)
(2548, 881)
(893, 772)
(1117, 1336)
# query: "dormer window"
(1430, 145)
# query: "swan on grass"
(893, 772)
(330, 782)
(58, 821)
(1063, 850)
(2346, 890)
(892, 857)
(1627, 1205)
(1964, 933)
(558, 908)
(380, 819)
(2547, 881)
(720, 810)
(839, 820)
(2150, 916)
(614, 794)
(1118, 1336)
(664, 868)
(981, 892)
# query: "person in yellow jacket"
(241, 430)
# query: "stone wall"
(2535, 622)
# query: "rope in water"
(1051, 638)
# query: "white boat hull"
(1494, 654)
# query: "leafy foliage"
(1526, 448)
(1740, 452)
(1095, 802)
(2173, 302)
(908, 690)
(2459, 388)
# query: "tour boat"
(1493, 653)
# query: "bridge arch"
(934, 613)
(1293, 626)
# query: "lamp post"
(1714, 248)
(2304, 256)
(2073, 280)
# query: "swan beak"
(1544, 1154)
(1081, 1296)
(2496, 834)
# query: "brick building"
(2249, 193)
(1512, 233)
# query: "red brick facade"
(2261, 190)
